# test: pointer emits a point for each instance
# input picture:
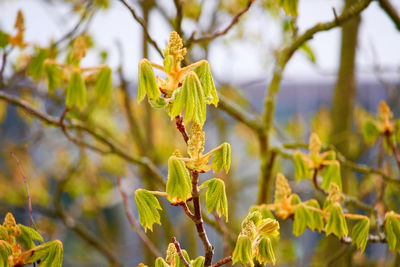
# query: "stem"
(396, 153)
(180, 125)
(179, 251)
(315, 182)
(222, 261)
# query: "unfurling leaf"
(104, 83)
(5, 251)
(332, 175)
(265, 252)
(301, 219)
(300, 167)
(360, 234)
(147, 82)
(268, 227)
(179, 184)
(168, 63)
(35, 68)
(27, 236)
(314, 145)
(76, 91)
(216, 197)
(198, 262)
(243, 252)
(222, 158)
(308, 51)
(4, 39)
(50, 254)
(370, 132)
(336, 222)
(392, 228)
(178, 260)
(53, 75)
(191, 97)
(148, 207)
(253, 216)
(316, 221)
(204, 72)
(160, 263)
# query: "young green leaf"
(332, 175)
(179, 184)
(35, 67)
(160, 262)
(198, 262)
(360, 233)
(253, 216)
(27, 236)
(148, 207)
(76, 91)
(222, 158)
(308, 52)
(392, 227)
(265, 252)
(191, 96)
(268, 227)
(50, 254)
(336, 222)
(53, 75)
(178, 260)
(243, 252)
(216, 197)
(370, 132)
(4, 39)
(316, 221)
(204, 72)
(290, 7)
(5, 251)
(301, 219)
(147, 82)
(168, 63)
(300, 167)
(104, 83)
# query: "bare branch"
(179, 251)
(222, 261)
(391, 12)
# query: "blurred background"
(328, 87)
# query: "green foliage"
(316, 220)
(4, 39)
(179, 184)
(5, 251)
(290, 7)
(35, 67)
(148, 207)
(191, 97)
(50, 254)
(178, 260)
(160, 262)
(147, 82)
(76, 91)
(198, 262)
(308, 51)
(300, 168)
(332, 175)
(104, 84)
(243, 252)
(27, 236)
(370, 132)
(222, 158)
(360, 233)
(216, 197)
(204, 73)
(302, 217)
(169, 64)
(336, 222)
(392, 228)
(53, 75)
(265, 252)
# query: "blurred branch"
(113, 149)
(133, 223)
(209, 37)
(3, 64)
(141, 22)
(222, 261)
(179, 16)
(391, 12)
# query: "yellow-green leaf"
(147, 82)
(222, 158)
(265, 252)
(148, 207)
(332, 175)
(160, 262)
(198, 262)
(370, 132)
(316, 221)
(392, 228)
(243, 252)
(300, 167)
(360, 233)
(5, 251)
(216, 197)
(179, 184)
(53, 75)
(168, 63)
(336, 222)
(27, 236)
(301, 219)
(204, 72)
(35, 67)
(4, 39)
(104, 83)
(76, 91)
(178, 260)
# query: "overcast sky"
(241, 61)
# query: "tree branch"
(179, 251)
(391, 12)
(222, 261)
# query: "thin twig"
(133, 223)
(219, 33)
(141, 22)
(316, 184)
(222, 261)
(181, 127)
(394, 149)
(31, 222)
(179, 251)
(391, 12)
(3, 64)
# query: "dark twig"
(3, 64)
(316, 184)
(133, 223)
(180, 125)
(31, 222)
(179, 251)
(335, 15)
(394, 149)
(178, 17)
(391, 12)
(222, 261)
(219, 33)
(142, 23)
